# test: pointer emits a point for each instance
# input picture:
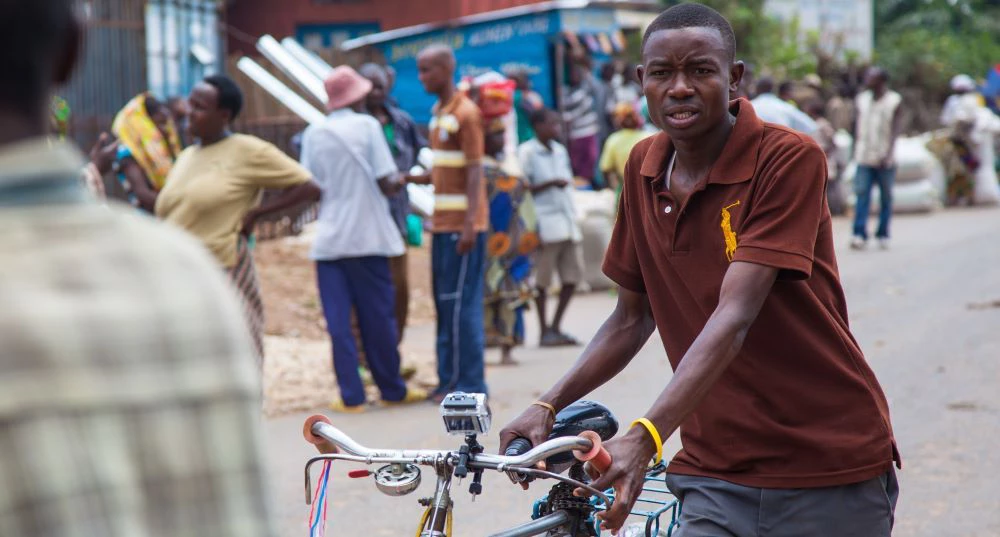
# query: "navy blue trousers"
(365, 284)
(458, 298)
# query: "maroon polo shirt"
(799, 407)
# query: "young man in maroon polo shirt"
(724, 243)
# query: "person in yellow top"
(214, 189)
(620, 143)
(149, 146)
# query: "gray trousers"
(716, 508)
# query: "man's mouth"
(681, 118)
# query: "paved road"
(927, 314)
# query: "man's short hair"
(540, 116)
(693, 15)
(765, 84)
(230, 95)
(372, 69)
(31, 33)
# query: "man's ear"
(640, 71)
(736, 72)
(67, 57)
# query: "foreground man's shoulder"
(780, 141)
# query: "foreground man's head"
(689, 70)
(39, 43)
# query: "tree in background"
(926, 42)
(768, 44)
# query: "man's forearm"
(612, 348)
(473, 188)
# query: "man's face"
(494, 142)
(548, 129)
(433, 73)
(376, 97)
(687, 77)
(874, 79)
(162, 120)
(206, 120)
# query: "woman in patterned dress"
(513, 237)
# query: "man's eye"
(702, 71)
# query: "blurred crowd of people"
(504, 169)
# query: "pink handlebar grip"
(322, 445)
(598, 457)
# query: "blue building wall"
(523, 42)
(321, 36)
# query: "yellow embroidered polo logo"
(727, 232)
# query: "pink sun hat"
(344, 87)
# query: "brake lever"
(568, 480)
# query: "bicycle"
(575, 442)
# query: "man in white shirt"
(772, 109)
(355, 238)
(874, 150)
(546, 166)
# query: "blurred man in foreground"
(129, 402)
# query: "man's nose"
(680, 87)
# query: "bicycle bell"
(397, 479)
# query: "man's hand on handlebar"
(630, 456)
(535, 424)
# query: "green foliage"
(766, 43)
(926, 42)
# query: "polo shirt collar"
(739, 156)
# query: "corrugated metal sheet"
(112, 68)
(183, 45)
(129, 49)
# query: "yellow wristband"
(546, 406)
(654, 433)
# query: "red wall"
(280, 17)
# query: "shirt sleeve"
(621, 262)
(379, 153)
(784, 213)
(269, 167)
(524, 158)
(470, 125)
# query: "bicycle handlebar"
(354, 451)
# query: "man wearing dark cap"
(405, 142)
(724, 244)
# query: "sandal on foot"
(338, 405)
(413, 395)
